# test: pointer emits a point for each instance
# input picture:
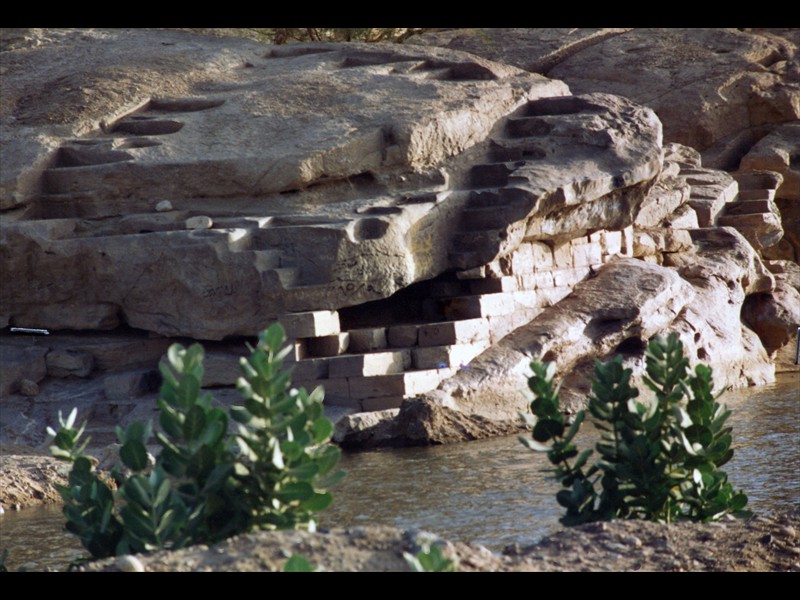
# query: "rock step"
(83, 205)
(526, 127)
(499, 198)
(748, 207)
(710, 191)
(490, 175)
(493, 217)
(756, 194)
(482, 241)
(758, 180)
(282, 277)
(515, 149)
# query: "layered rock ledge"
(423, 221)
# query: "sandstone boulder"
(627, 300)
(723, 269)
(716, 90)
(778, 151)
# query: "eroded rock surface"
(422, 221)
(716, 90)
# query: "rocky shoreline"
(765, 542)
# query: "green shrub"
(430, 558)
(206, 484)
(659, 458)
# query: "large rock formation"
(423, 222)
(717, 90)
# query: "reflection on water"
(491, 492)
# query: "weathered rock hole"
(632, 345)
(550, 356)
(470, 72)
(291, 51)
(184, 104)
(148, 126)
(770, 59)
(702, 354)
(406, 306)
(365, 59)
(529, 127)
(421, 199)
(379, 210)
(369, 229)
(89, 155)
(534, 153)
(603, 327)
(138, 143)
(559, 105)
(492, 175)
(293, 221)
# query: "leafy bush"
(659, 458)
(331, 34)
(206, 484)
(430, 558)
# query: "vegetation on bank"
(659, 457)
(206, 484)
(285, 35)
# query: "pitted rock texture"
(717, 90)
(435, 201)
(389, 192)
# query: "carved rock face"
(306, 177)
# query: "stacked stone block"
(374, 368)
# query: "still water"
(490, 492)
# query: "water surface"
(491, 492)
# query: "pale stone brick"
(584, 255)
(403, 336)
(537, 281)
(522, 260)
(551, 296)
(337, 391)
(569, 277)
(627, 241)
(542, 256)
(328, 345)
(299, 351)
(310, 369)
(505, 324)
(525, 299)
(562, 256)
(367, 340)
(494, 286)
(453, 332)
(411, 383)
(375, 363)
(435, 357)
(579, 241)
(310, 324)
(472, 307)
(611, 243)
(643, 244)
